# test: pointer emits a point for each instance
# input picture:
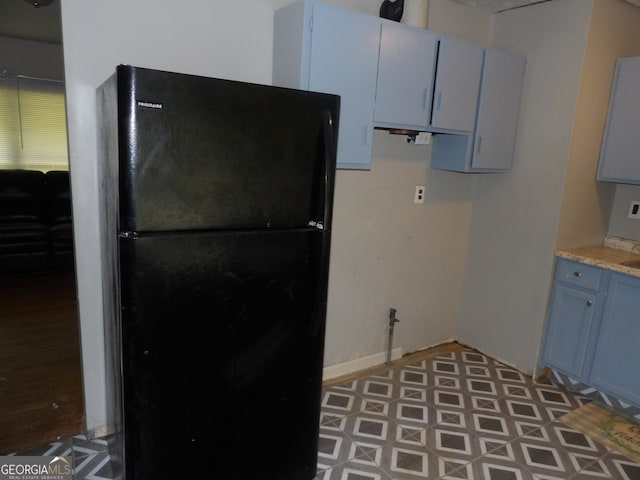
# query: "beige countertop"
(611, 255)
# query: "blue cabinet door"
(568, 328)
(617, 353)
(619, 160)
(344, 61)
(457, 85)
(491, 144)
(405, 76)
(498, 111)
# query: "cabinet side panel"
(290, 46)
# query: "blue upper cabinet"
(327, 49)
(593, 328)
(619, 158)
(407, 72)
(457, 85)
(498, 110)
(392, 75)
(490, 147)
(405, 76)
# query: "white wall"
(386, 250)
(214, 38)
(389, 252)
(515, 216)
(620, 225)
(618, 35)
(587, 211)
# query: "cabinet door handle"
(425, 99)
(589, 303)
(577, 274)
(479, 144)
(439, 101)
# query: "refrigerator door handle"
(329, 166)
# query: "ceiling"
(21, 20)
(18, 19)
(497, 6)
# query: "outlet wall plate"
(419, 194)
(634, 210)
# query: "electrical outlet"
(634, 210)
(419, 195)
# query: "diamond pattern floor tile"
(457, 416)
(462, 415)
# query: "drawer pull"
(577, 274)
(589, 303)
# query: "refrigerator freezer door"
(201, 153)
(222, 354)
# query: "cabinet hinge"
(311, 23)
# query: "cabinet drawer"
(578, 274)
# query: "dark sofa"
(36, 233)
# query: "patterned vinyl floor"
(458, 415)
(91, 459)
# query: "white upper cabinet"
(457, 85)
(392, 75)
(405, 76)
(620, 153)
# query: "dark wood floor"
(40, 374)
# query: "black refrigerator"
(216, 216)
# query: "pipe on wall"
(416, 13)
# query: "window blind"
(33, 128)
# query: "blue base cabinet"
(593, 329)
(616, 358)
(573, 301)
(568, 332)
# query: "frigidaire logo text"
(149, 104)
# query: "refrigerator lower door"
(222, 349)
